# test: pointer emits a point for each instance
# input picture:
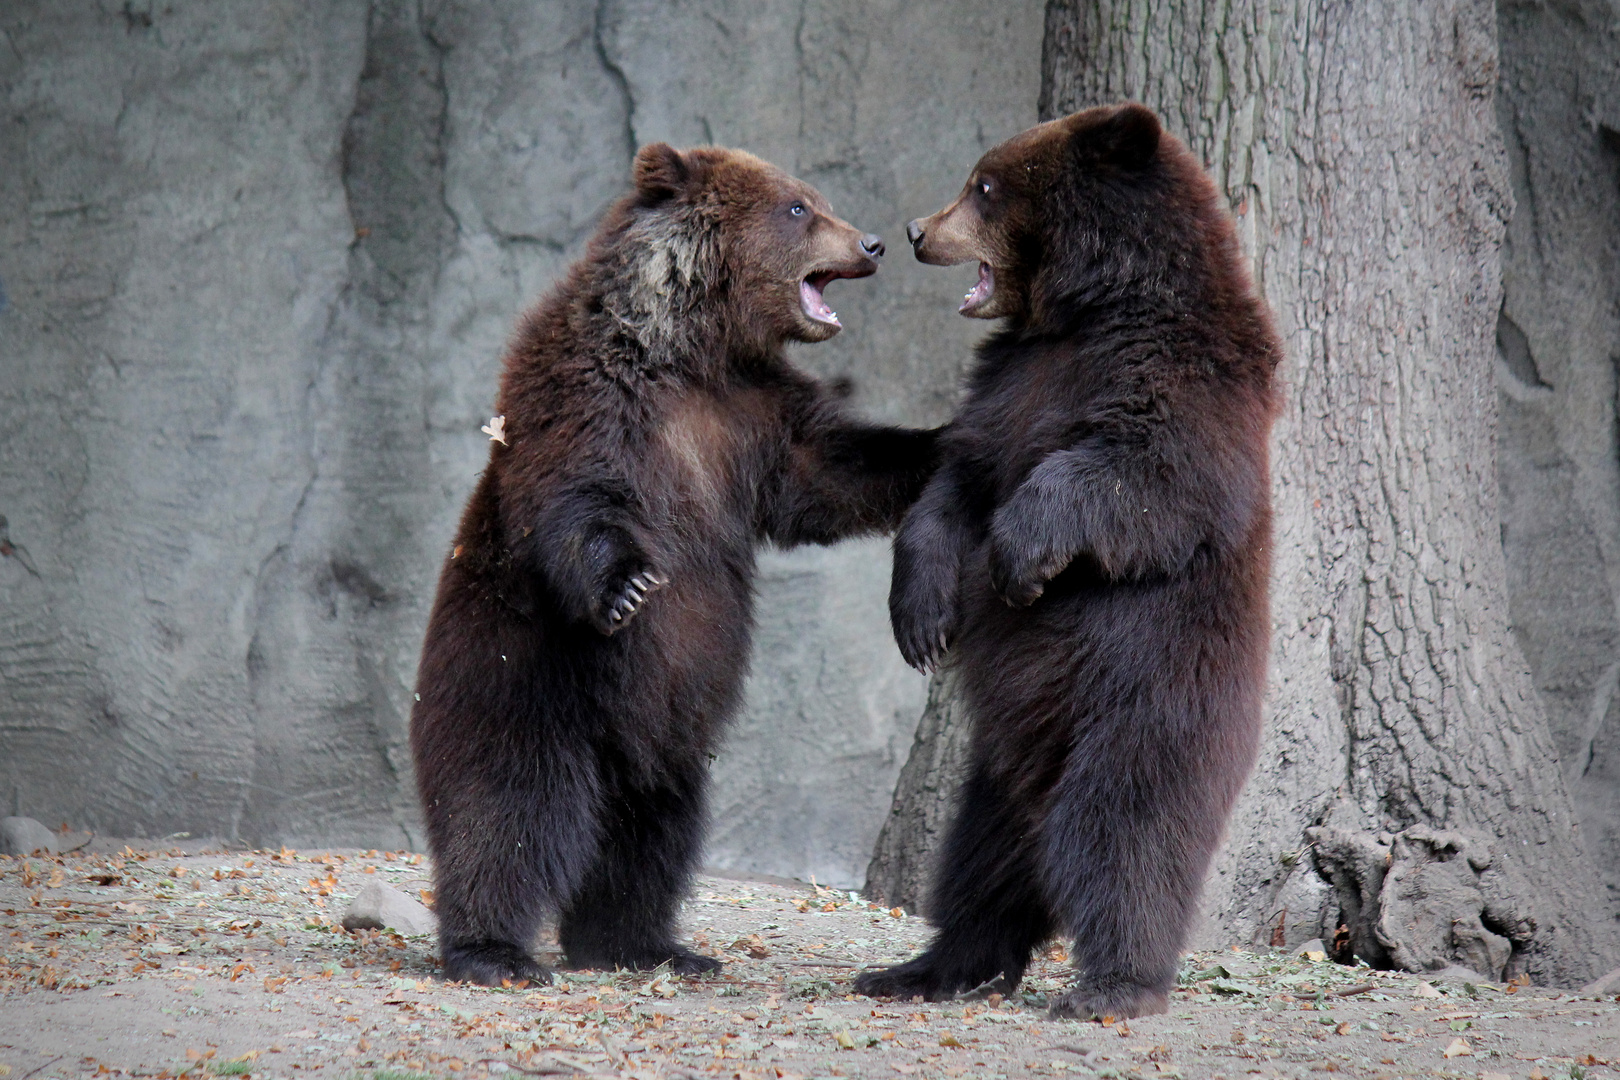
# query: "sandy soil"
(231, 964)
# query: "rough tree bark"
(903, 856)
(1408, 790)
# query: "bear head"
(716, 226)
(1099, 200)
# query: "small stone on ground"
(24, 836)
(382, 907)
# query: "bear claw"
(922, 645)
(623, 602)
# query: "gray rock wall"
(1558, 345)
(256, 267)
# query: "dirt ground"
(215, 963)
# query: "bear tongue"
(981, 289)
(814, 306)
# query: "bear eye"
(984, 187)
(797, 209)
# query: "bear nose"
(872, 244)
(914, 233)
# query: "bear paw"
(924, 620)
(684, 962)
(1023, 554)
(917, 978)
(492, 963)
(1018, 577)
(1120, 1003)
(618, 603)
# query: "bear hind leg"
(503, 864)
(1124, 859)
(986, 905)
(623, 914)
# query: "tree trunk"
(903, 857)
(1408, 790)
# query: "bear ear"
(661, 172)
(1128, 138)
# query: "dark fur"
(591, 629)
(1096, 544)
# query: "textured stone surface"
(24, 836)
(256, 268)
(1558, 346)
(378, 906)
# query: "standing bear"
(591, 629)
(1094, 551)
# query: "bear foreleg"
(1120, 502)
(590, 544)
(925, 594)
(848, 479)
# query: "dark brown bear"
(591, 629)
(1094, 550)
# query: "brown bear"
(1093, 552)
(591, 628)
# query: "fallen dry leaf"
(738, 1014)
(1458, 1048)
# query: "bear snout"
(914, 232)
(872, 244)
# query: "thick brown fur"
(1094, 554)
(591, 629)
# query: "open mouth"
(814, 305)
(981, 292)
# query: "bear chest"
(1016, 416)
(700, 466)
